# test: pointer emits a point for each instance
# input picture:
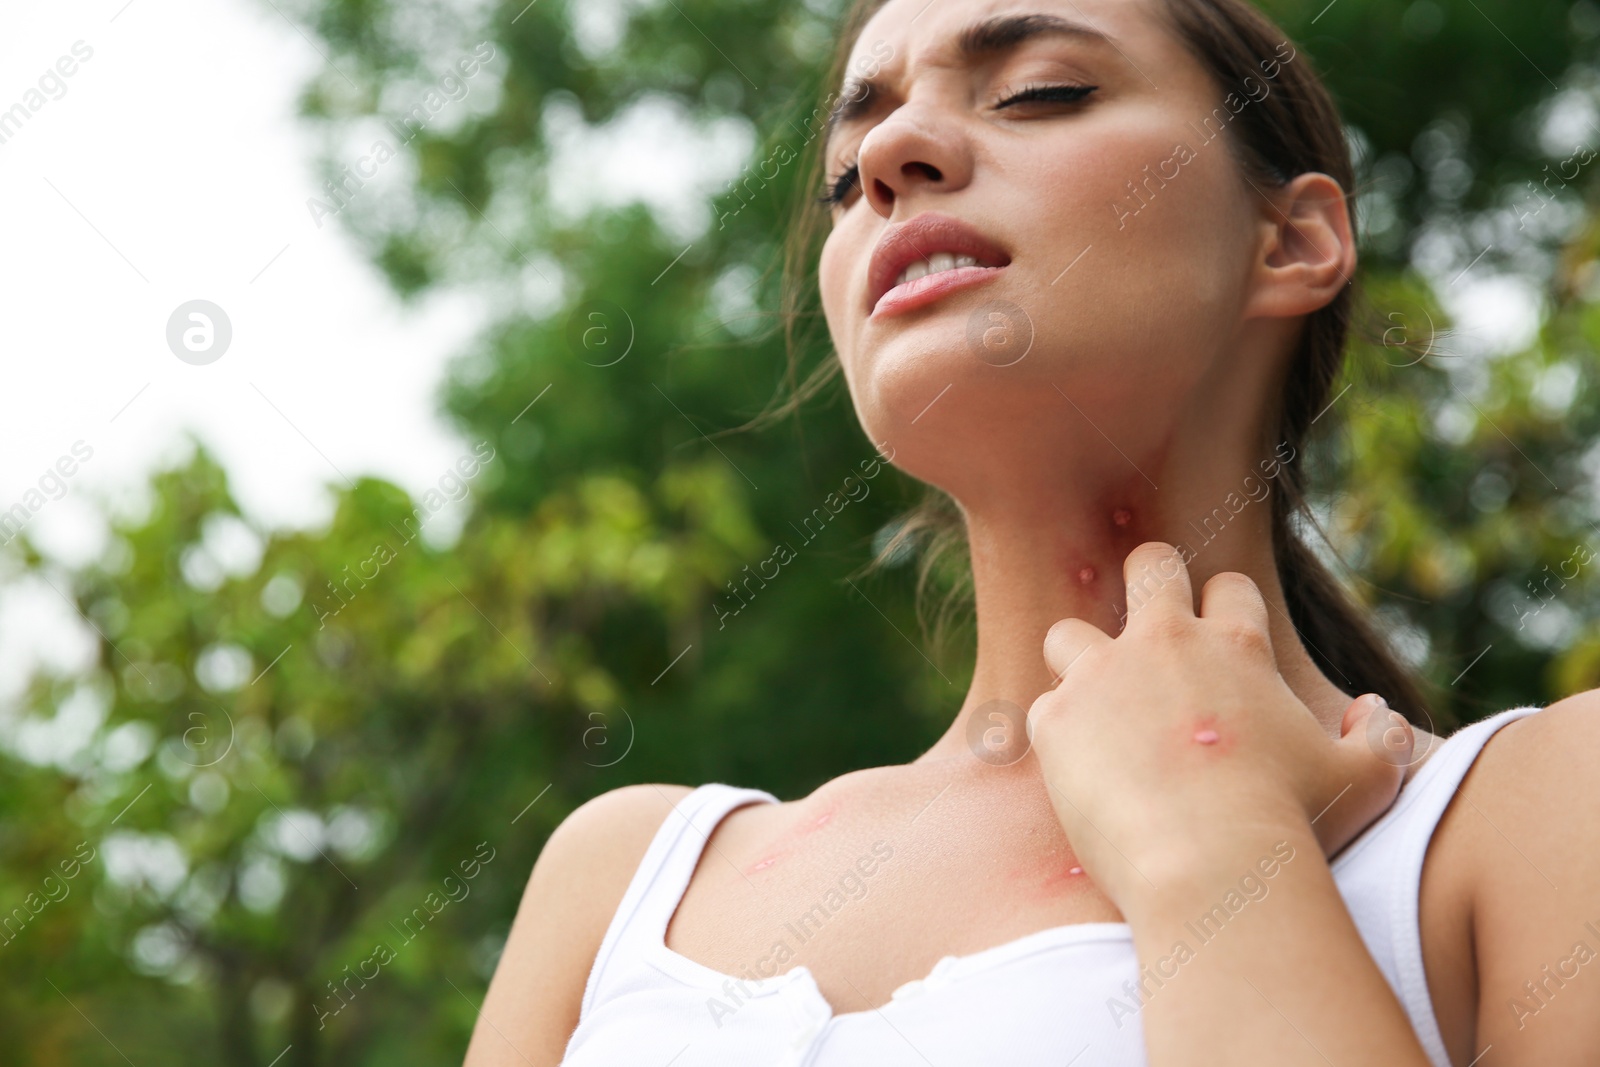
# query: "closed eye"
(1060, 94)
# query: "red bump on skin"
(1086, 575)
(1206, 730)
(1122, 516)
(762, 865)
(1047, 878)
(1058, 877)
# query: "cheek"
(1137, 254)
(830, 269)
(1150, 193)
(836, 283)
(1175, 210)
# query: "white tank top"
(1059, 996)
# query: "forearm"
(1250, 969)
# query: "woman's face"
(1055, 154)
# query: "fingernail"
(1378, 703)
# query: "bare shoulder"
(1533, 785)
(1532, 817)
(604, 838)
(577, 882)
(1543, 759)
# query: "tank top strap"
(662, 877)
(1422, 803)
(1380, 872)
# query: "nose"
(906, 154)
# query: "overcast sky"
(169, 167)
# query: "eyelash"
(836, 189)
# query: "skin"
(1170, 335)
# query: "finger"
(1156, 582)
(1231, 595)
(1067, 640)
(1371, 758)
(1371, 726)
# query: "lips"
(922, 237)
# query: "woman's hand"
(1178, 741)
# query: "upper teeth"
(933, 265)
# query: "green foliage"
(297, 762)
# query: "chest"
(869, 907)
(869, 904)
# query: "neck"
(1061, 554)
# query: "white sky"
(172, 169)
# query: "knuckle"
(1245, 637)
(1166, 626)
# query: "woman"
(1088, 273)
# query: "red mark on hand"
(1207, 730)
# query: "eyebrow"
(981, 40)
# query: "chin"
(946, 413)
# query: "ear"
(1308, 251)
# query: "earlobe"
(1309, 254)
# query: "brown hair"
(1294, 129)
